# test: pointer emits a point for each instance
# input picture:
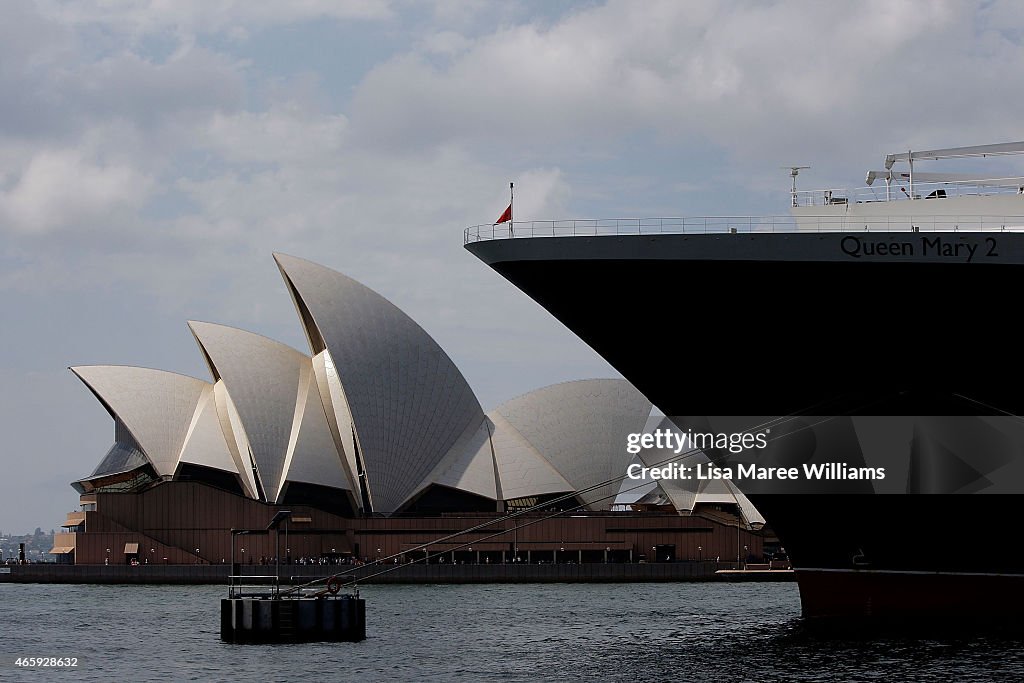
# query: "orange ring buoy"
(333, 585)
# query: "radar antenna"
(794, 171)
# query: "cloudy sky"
(154, 154)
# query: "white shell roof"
(262, 378)
(338, 418)
(468, 466)
(234, 437)
(580, 428)
(686, 494)
(408, 402)
(684, 499)
(312, 453)
(273, 388)
(523, 471)
(154, 405)
(204, 443)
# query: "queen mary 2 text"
(926, 246)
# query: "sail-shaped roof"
(273, 389)
(409, 404)
(581, 428)
(155, 406)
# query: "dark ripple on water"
(623, 632)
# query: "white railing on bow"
(702, 225)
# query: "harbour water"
(679, 632)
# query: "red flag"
(506, 216)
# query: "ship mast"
(794, 171)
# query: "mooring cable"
(767, 424)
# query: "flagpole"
(511, 213)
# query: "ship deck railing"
(703, 225)
(900, 191)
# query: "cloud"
(205, 17)
(760, 79)
(61, 189)
(190, 83)
(286, 133)
(59, 84)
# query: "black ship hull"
(817, 324)
(901, 556)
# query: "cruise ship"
(868, 326)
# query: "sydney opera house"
(376, 444)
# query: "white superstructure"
(896, 199)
